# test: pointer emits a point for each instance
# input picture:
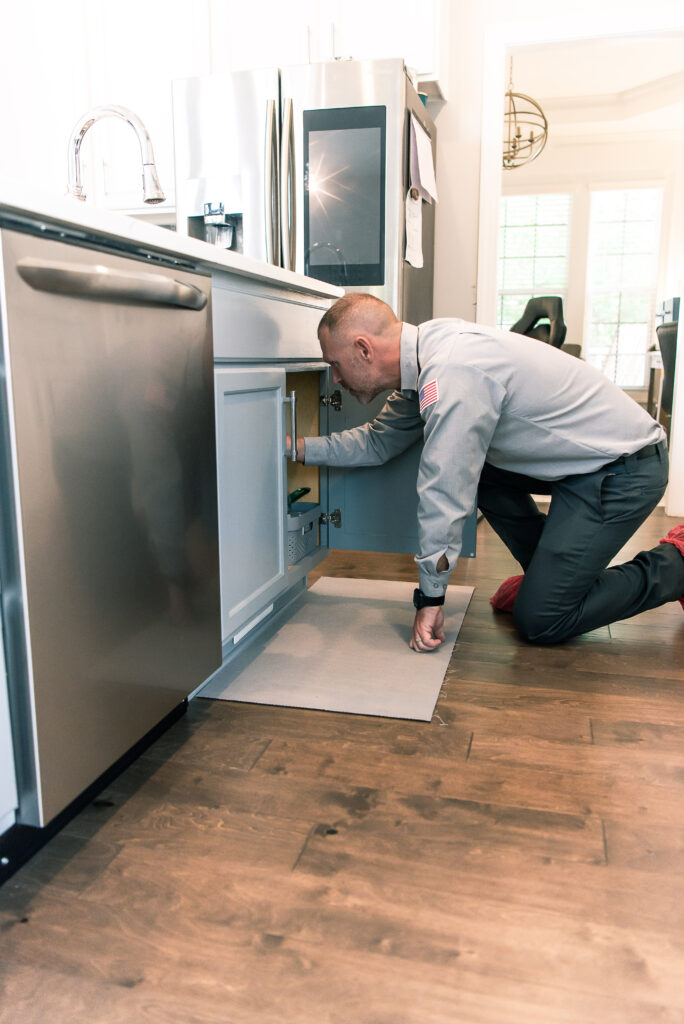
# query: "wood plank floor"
(518, 860)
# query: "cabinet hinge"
(332, 517)
(335, 400)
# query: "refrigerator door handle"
(271, 192)
(101, 282)
(288, 195)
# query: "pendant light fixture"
(525, 128)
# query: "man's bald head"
(357, 312)
(360, 339)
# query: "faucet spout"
(152, 190)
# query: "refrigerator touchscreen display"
(344, 195)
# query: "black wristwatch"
(421, 600)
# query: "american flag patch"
(428, 394)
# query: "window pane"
(519, 274)
(608, 206)
(534, 244)
(604, 308)
(550, 274)
(632, 338)
(635, 307)
(519, 242)
(512, 307)
(603, 339)
(624, 239)
(629, 370)
(552, 209)
(518, 209)
(552, 241)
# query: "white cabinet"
(263, 34)
(251, 483)
(43, 85)
(59, 60)
(134, 51)
(265, 345)
(390, 28)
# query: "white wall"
(459, 135)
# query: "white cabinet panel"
(135, 50)
(44, 88)
(261, 34)
(251, 485)
(388, 28)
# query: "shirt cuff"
(433, 584)
(315, 450)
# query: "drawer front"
(266, 325)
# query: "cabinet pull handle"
(94, 281)
(292, 402)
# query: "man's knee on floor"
(537, 626)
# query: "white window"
(534, 251)
(624, 240)
(608, 282)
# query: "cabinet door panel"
(252, 501)
(379, 504)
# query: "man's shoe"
(504, 599)
(676, 537)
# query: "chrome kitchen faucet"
(152, 190)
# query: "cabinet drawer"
(269, 325)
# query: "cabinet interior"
(307, 385)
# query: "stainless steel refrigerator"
(308, 168)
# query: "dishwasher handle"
(99, 282)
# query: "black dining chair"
(544, 307)
(667, 340)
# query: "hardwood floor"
(518, 860)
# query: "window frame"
(576, 308)
(562, 292)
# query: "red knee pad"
(504, 599)
(676, 537)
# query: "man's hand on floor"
(428, 629)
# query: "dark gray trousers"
(568, 588)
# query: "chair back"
(667, 340)
(544, 307)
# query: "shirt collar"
(409, 357)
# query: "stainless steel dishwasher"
(109, 553)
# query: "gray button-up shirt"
(477, 394)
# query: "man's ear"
(363, 347)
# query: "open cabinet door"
(378, 504)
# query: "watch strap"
(421, 600)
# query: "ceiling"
(620, 84)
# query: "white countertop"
(73, 213)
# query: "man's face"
(350, 368)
